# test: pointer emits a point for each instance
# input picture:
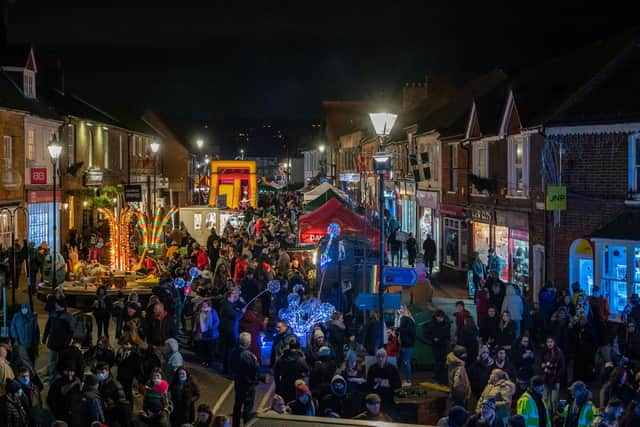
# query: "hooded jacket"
(25, 329)
(513, 303)
(174, 359)
(502, 392)
(458, 378)
(290, 367)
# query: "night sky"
(205, 61)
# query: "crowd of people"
(514, 365)
(131, 372)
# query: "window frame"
(453, 168)
(30, 154)
(512, 166)
(634, 166)
(480, 151)
(28, 82)
(7, 150)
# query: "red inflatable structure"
(312, 226)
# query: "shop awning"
(322, 199)
(322, 189)
(626, 226)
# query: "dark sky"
(204, 60)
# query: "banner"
(556, 198)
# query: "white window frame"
(31, 146)
(29, 83)
(453, 168)
(106, 147)
(634, 167)
(71, 144)
(480, 163)
(7, 150)
(90, 144)
(512, 185)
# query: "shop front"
(455, 236)
(428, 219)
(41, 208)
(407, 215)
(507, 233)
(581, 265)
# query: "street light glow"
(383, 122)
(54, 147)
(321, 148)
(155, 146)
(200, 143)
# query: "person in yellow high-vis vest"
(532, 407)
(581, 412)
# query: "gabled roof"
(613, 96)
(66, 104)
(12, 97)
(541, 90)
(490, 109)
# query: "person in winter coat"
(173, 358)
(31, 398)
(513, 304)
(245, 370)
(553, 367)
(129, 363)
(240, 268)
(160, 326)
(583, 343)
(204, 416)
(12, 410)
(152, 415)
(230, 314)
(57, 334)
(412, 249)
(547, 298)
(205, 332)
(252, 324)
(458, 379)
(501, 390)
(456, 417)
(482, 303)
(102, 307)
(532, 407)
(580, 412)
(617, 387)
(249, 286)
(429, 251)
(478, 272)
(91, 402)
(184, 393)
(460, 314)
(114, 401)
(290, 367)
(284, 335)
(25, 331)
(469, 338)
(559, 328)
(65, 397)
(303, 403)
(407, 334)
(523, 357)
(337, 331)
(506, 330)
(437, 333)
(490, 326)
(480, 371)
(157, 388)
(6, 372)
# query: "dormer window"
(29, 83)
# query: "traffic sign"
(366, 301)
(400, 276)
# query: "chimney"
(413, 94)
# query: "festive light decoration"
(151, 232)
(119, 231)
(273, 287)
(302, 317)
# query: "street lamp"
(242, 154)
(155, 147)
(382, 123)
(55, 150)
(200, 144)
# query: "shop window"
(518, 167)
(453, 168)
(614, 276)
(452, 242)
(39, 222)
(482, 239)
(519, 256)
(502, 250)
(5, 230)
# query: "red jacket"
(251, 323)
(460, 320)
(202, 260)
(240, 270)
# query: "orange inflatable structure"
(237, 180)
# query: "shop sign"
(481, 215)
(43, 196)
(452, 210)
(427, 199)
(517, 220)
(93, 177)
(556, 198)
(38, 176)
(132, 193)
(350, 177)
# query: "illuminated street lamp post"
(323, 160)
(382, 123)
(200, 144)
(55, 150)
(155, 147)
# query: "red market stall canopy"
(312, 226)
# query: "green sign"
(556, 198)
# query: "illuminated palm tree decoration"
(151, 231)
(119, 230)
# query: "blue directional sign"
(400, 276)
(366, 301)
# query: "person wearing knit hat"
(373, 412)
(303, 405)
